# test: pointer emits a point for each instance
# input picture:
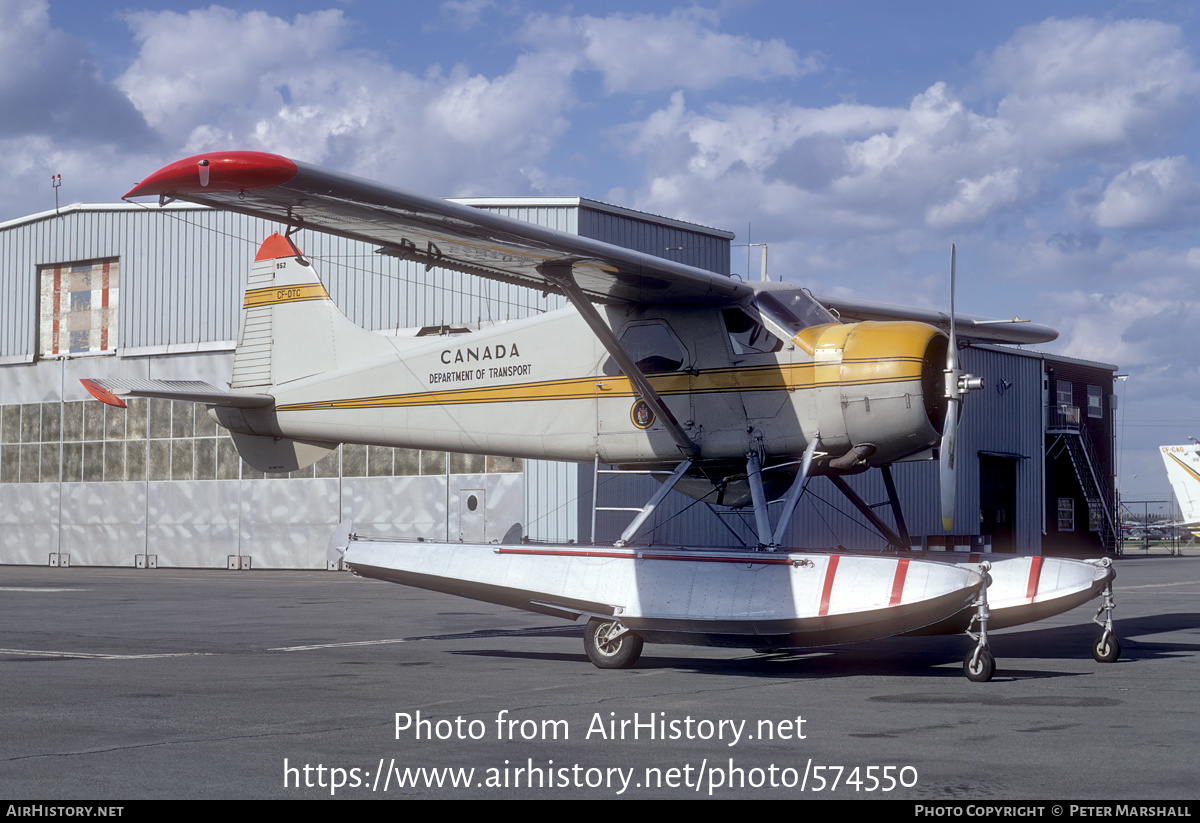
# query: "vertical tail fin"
(291, 329)
(1183, 470)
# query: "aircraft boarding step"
(642, 512)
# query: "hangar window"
(1066, 514)
(78, 308)
(1063, 393)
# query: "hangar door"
(998, 499)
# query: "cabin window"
(651, 347)
(78, 308)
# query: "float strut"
(1107, 648)
(979, 664)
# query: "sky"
(1055, 143)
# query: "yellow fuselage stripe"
(859, 372)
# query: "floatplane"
(738, 392)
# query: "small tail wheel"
(979, 668)
(1106, 648)
(609, 645)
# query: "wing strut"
(561, 275)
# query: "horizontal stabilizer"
(111, 390)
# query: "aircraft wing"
(984, 329)
(430, 230)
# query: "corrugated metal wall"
(692, 248)
(183, 271)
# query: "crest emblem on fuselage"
(641, 415)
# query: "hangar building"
(155, 292)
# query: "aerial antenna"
(762, 274)
(56, 181)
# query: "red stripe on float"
(830, 571)
(898, 581)
(744, 559)
(1035, 573)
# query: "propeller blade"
(952, 349)
(946, 464)
(950, 426)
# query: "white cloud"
(1071, 94)
(876, 168)
(196, 66)
(49, 85)
(91, 173)
(639, 53)
(1149, 194)
(1087, 87)
(290, 87)
(976, 199)
(1148, 327)
(466, 14)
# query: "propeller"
(957, 384)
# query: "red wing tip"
(102, 394)
(224, 171)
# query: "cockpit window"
(747, 335)
(773, 319)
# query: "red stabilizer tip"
(103, 395)
(224, 171)
(274, 247)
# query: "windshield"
(792, 311)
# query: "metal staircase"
(1070, 436)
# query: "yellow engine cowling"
(879, 387)
(879, 398)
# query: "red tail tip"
(276, 246)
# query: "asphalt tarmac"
(126, 684)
